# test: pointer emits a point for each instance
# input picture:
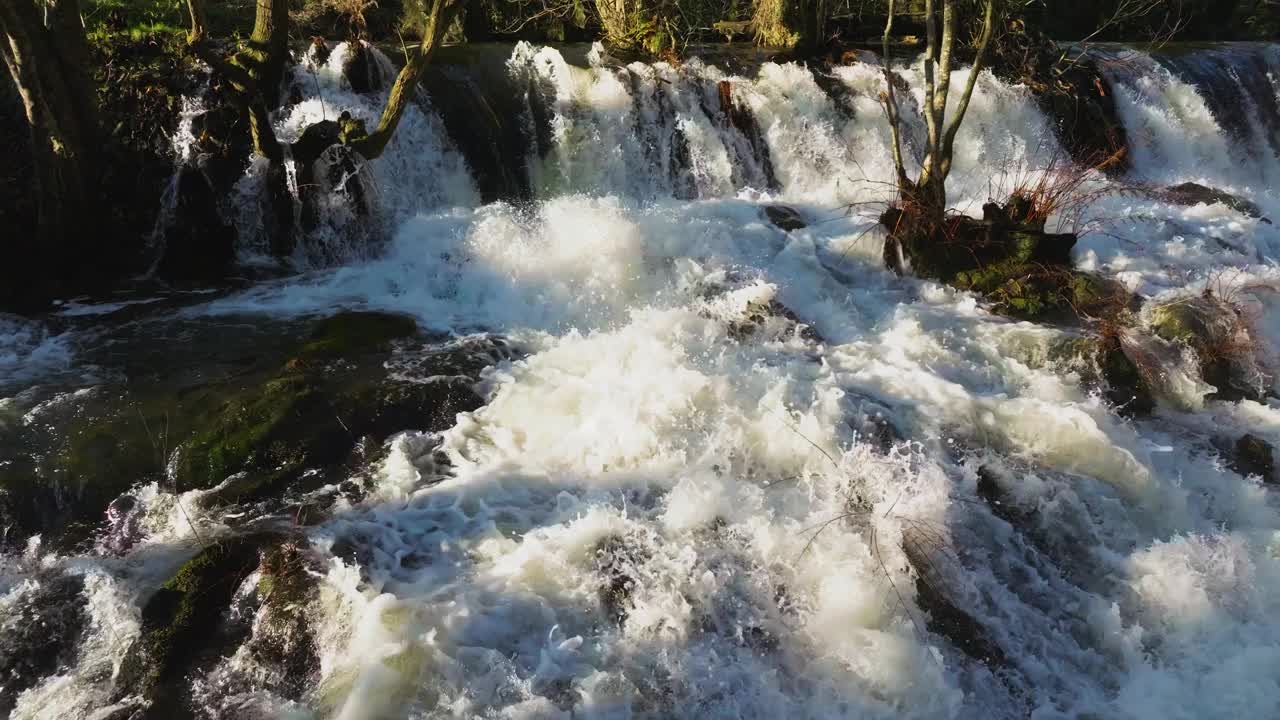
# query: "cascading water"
(727, 470)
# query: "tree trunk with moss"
(45, 50)
(269, 48)
(256, 72)
(441, 14)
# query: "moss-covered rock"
(1104, 367)
(274, 418)
(1221, 339)
(182, 618)
(282, 638)
(1006, 257)
(326, 398)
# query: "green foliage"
(141, 19)
(772, 26)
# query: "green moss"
(1177, 321)
(130, 17)
(267, 432)
(1126, 388)
(351, 332)
(275, 431)
(182, 617)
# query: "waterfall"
(722, 468)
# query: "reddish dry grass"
(1061, 189)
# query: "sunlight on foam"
(707, 486)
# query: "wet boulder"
(771, 319)
(181, 620)
(1105, 367)
(1195, 194)
(1127, 388)
(330, 172)
(1250, 455)
(1225, 349)
(39, 633)
(784, 217)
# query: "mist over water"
(674, 503)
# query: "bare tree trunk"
(438, 21)
(927, 194)
(257, 72)
(49, 64)
(891, 106)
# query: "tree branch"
(438, 21)
(931, 118)
(198, 22)
(979, 62)
(891, 103)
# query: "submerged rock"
(945, 617)
(784, 217)
(616, 560)
(1251, 455)
(263, 417)
(998, 499)
(180, 621)
(39, 634)
(1195, 194)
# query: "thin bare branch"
(891, 102)
(979, 63)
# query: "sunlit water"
(759, 487)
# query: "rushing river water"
(671, 505)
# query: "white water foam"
(674, 507)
